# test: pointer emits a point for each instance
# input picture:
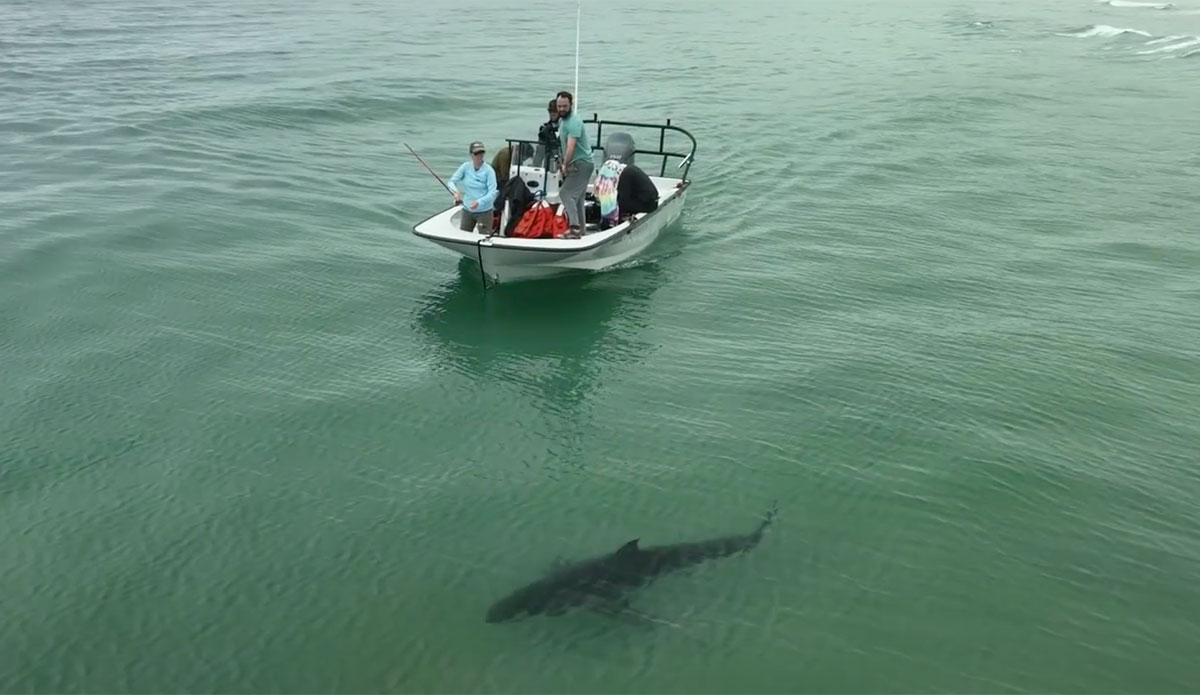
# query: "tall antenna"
(578, 14)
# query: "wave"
(1173, 45)
(1134, 3)
(1178, 45)
(1104, 31)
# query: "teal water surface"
(936, 291)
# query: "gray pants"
(572, 191)
(481, 222)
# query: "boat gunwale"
(490, 240)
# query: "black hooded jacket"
(518, 198)
(635, 192)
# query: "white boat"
(506, 258)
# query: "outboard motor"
(619, 146)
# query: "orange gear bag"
(531, 223)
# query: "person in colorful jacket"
(623, 190)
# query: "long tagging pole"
(578, 15)
(422, 161)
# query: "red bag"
(539, 222)
(528, 226)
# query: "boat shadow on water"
(555, 342)
(564, 329)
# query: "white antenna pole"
(578, 14)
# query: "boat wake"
(1173, 45)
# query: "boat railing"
(686, 159)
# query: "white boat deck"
(445, 225)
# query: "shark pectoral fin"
(608, 605)
(621, 610)
(606, 598)
(612, 601)
(611, 606)
(607, 591)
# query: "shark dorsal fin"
(628, 549)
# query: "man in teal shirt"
(576, 164)
(479, 181)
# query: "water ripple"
(933, 292)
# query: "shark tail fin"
(770, 517)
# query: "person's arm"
(456, 180)
(572, 138)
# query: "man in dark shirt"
(635, 192)
(548, 148)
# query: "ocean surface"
(936, 291)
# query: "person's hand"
(458, 197)
(474, 204)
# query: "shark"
(604, 581)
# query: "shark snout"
(506, 609)
(498, 614)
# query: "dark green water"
(936, 291)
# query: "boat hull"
(509, 259)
